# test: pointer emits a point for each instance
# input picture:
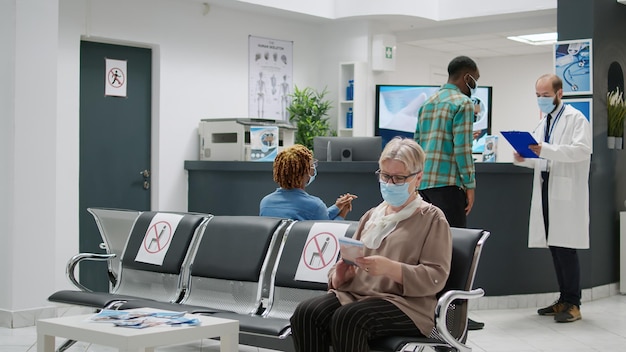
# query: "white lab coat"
(569, 154)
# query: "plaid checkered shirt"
(444, 131)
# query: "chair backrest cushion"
(178, 248)
(291, 253)
(464, 242)
(234, 247)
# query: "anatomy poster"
(572, 63)
(271, 78)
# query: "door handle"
(146, 178)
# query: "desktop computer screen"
(347, 148)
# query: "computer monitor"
(347, 148)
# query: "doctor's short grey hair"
(405, 150)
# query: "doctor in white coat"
(559, 213)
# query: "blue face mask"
(393, 194)
(312, 177)
(546, 104)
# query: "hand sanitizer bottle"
(350, 90)
(349, 118)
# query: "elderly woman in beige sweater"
(392, 289)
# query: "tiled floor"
(603, 328)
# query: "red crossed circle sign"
(116, 77)
(157, 237)
(320, 251)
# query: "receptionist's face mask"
(312, 177)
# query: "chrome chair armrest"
(70, 269)
(441, 313)
(285, 334)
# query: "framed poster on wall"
(573, 64)
(585, 106)
(270, 84)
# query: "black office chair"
(450, 332)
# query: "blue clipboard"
(520, 141)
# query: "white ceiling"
(477, 37)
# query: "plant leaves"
(308, 110)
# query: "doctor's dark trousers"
(565, 260)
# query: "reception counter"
(502, 206)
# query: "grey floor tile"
(603, 328)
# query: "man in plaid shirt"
(444, 131)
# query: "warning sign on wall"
(115, 81)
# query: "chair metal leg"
(66, 345)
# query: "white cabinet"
(357, 72)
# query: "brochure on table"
(138, 319)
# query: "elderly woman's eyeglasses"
(314, 164)
(395, 179)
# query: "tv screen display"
(397, 107)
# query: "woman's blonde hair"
(405, 150)
(291, 164)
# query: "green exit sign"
(388, 52)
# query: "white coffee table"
(127, 339)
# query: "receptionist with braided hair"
(294, 169)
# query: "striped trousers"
(321, 322)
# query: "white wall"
(200, 71)
(7, 135)
(29, 174)
(514, 101)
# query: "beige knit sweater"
(423, 244)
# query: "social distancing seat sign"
(158, 238)
(320, 251)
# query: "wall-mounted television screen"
(397, 106)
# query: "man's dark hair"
(461, 64)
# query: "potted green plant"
(308, 110)
(616, 112)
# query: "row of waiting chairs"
(243, 267)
